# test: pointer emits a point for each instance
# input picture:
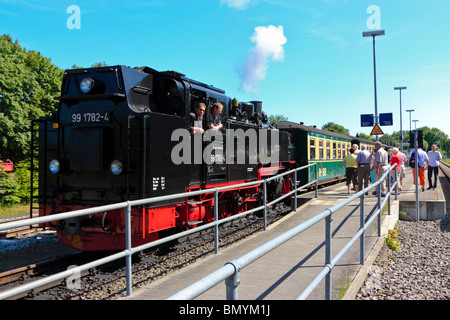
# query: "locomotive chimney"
(258, 106)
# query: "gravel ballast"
(420, 271)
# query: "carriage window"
(312, 148)
(339, 151)
(320, 149)
(334, 150)
(328, 150)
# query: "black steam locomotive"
(113, 139)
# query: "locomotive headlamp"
(86, 85)
(116, 167)
(54, 166)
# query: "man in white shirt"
(381, 165)
(433, 166)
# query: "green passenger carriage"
(326, 148)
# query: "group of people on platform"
(362, 165)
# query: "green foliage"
(366, 136)
(437, 137)
(8, 189)
(95, 65)
(430, 136)
(333, 127)
(23, 178)
(277, 117)
(392, 240)
(15, 187)
(28, 84)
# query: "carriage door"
(214, 152)
(196, 168)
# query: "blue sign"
(367, 120)
(386, 119)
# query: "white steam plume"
(238, 4)
(269, 43)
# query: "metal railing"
(129, 251)
(230, 271)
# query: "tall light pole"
(415, 124)
(401, 132)
(373, 34)
(411, 110)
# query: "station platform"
(286, 271)
(432, 203)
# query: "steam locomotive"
(112, 140)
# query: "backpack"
(412, 161)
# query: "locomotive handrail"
(129, 251)
(230, 271)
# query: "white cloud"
(268, 47)
(238, 4)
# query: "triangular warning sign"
(376, 130)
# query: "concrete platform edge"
(388, 223)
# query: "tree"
(388, 139)
(94, 65)
(277, 117)
(28, 84)
(333, 127)
(365, 136)
(435, 136)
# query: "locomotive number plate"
(90, 117)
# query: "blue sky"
(304, 59)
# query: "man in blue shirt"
(422, 164)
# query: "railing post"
(232, 282)
(396, 184)
(295, 187)
(317, 181)
(328, 246)
(379, 208)
(129, 275)
(216, 221)
(264, 203)
(362, 253)
(389, 188)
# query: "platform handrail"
(230, 271)
(126, 205)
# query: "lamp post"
(415, 124)
(411, 110)
(373, 34)
(401, 131)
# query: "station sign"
(366, 120)
(386, 119)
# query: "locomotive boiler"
(112, 140)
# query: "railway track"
(11, 278)
(445, 169)
(16, 232)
